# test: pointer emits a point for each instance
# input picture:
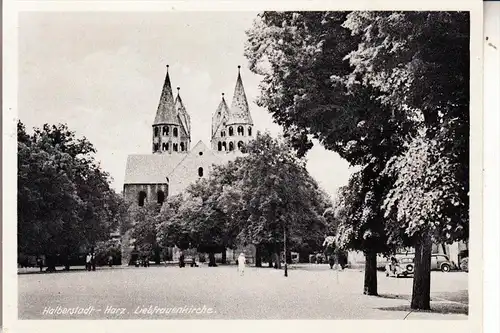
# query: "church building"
(174, 163)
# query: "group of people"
(182, 262)
(90, 262)
(241, 262)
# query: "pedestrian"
(193, 262)
(92, 261)
(88, 260)
(331, 261)
(241, 263)
(181, 260)
(110, 261)
(39, 263)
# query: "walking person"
(92, 261)
(88, 260)
(241, 264)
(39, 263)
(110, 261)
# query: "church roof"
(221, 115)
(239, 112)
(184, 118)
(155, 168)
(151, 168)
(166, 113)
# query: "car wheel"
(445, 268)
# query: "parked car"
(402, 266)
(442, 262)
(464, 264)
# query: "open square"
(309, 292)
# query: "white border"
(11, 8)
(491, 165)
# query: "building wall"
(131, 192)
(225, 140)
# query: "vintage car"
(402, 266)
(442, 262)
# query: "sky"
(102, 73)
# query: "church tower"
(232, 128)
(171, 127)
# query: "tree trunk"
(51, 265)
(211, 259)
(370, 273)
(258, 256)
(421, 295)
(224, 256)
(277, 261)
(157, 254)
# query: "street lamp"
(284, 244)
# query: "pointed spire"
(240, 112)
(165, 113)
(182, 114)
(221, 115)
(178, 98)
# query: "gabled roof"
(221, 115)
(156, 168)
(239, 113)
(151, 168)
(166, 113)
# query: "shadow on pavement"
(461, 296)
(394, 296)
(440, 308)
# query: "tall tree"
(275, 195)
(420, 63)
(64, 197)
(308, 88)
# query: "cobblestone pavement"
(309, 292)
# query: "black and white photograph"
(246, 165)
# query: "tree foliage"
(65, 201)
(387, 91)
(250, 201)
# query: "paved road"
(310, 292)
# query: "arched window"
(223, 133)
(231, 132)
(165, 130)
(176, 131)
(156, 131)
(142, 198)
(200, 171)
(224, 146)
(160, 197)
(231, 146)
(240, 145)
(175, 146)
(249, 131)
(164, 146)
(182, 146)
(156, 146)
(241, 131)
(219, 146)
